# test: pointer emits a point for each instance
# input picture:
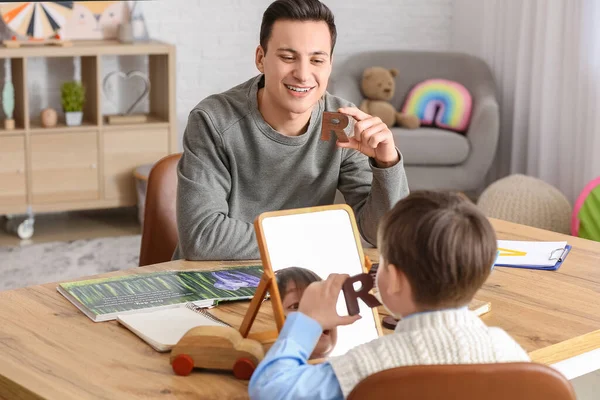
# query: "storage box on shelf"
(89, 166)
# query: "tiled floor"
(119, 222)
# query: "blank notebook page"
(164, 328)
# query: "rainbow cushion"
(440, 103)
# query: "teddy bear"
(378, 87)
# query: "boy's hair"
(442, 243)
(302, 277)
(296, 10)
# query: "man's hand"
(371, 137)
(319, 300)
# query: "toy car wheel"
(243, 368)
(183, 365)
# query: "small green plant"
(73, 96)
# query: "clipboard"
(559, 260)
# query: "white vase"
(74, 118)
(125, 33)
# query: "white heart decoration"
(129, 75)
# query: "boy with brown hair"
(292, 282)
(436, 251)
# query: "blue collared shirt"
(284, 373)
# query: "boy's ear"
(259, 58)
(396, 279)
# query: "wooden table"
(50, 350)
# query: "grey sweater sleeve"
(371, 191)
(205, 230)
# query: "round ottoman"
(529, 201)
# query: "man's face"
(297, 64)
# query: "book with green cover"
(102, 299)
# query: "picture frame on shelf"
(127, 117)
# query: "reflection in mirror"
(324, 242)
(292, 282)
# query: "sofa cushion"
(440, 103)
(431, 146)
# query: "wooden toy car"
(216, 347)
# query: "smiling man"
(257, 146)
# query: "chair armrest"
(483, 134)
(346, 87)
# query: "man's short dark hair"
(296, 10)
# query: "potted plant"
(73, 97)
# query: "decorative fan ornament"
(34, 19)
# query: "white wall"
(466, 19)
(216, 41)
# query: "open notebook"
(162, 329)
(102, 299)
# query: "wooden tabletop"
(50, 350)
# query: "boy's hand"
(319, 300)
(371, 137)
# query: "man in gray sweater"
(257, 147)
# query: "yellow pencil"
(511, 253)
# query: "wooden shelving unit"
(34, 128)
(89, 166)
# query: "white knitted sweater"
(438, 337)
